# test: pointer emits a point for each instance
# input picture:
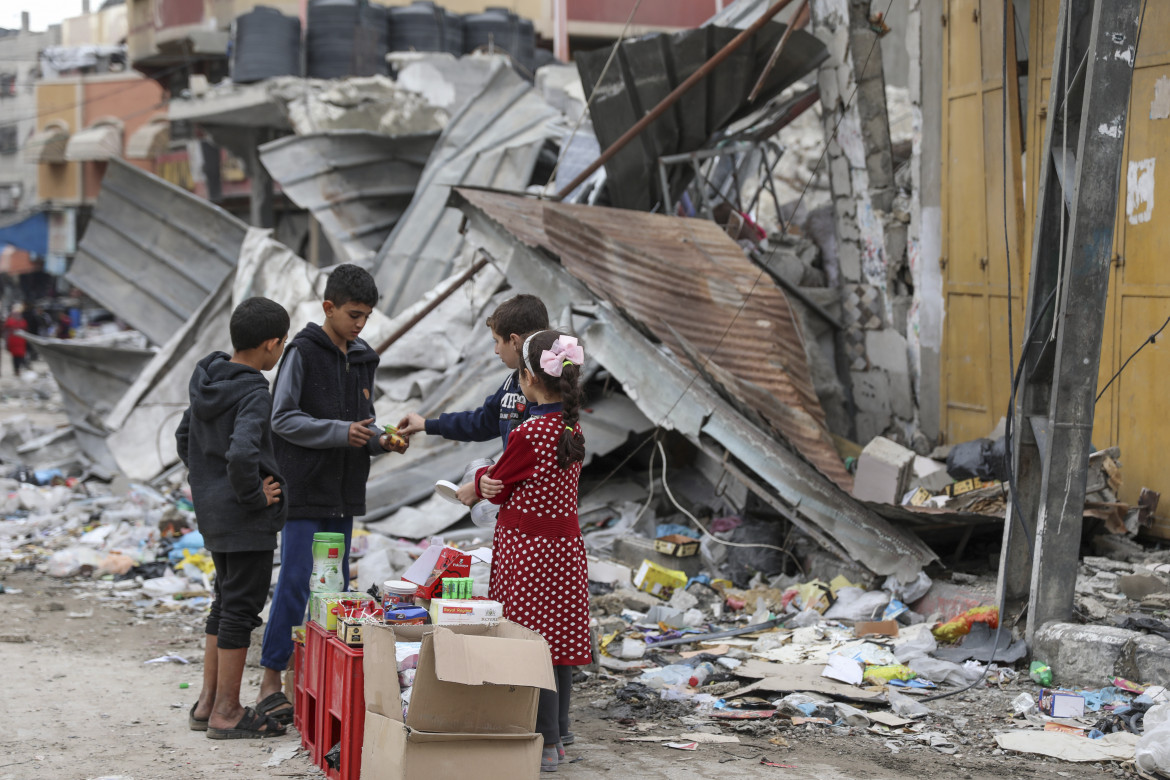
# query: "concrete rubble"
(774, 550)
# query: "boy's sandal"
(252, 725)
(278, 707)
(194, 723)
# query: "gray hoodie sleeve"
(294, 425)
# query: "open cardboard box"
(474, 703)
(470, 679)
(393, 751)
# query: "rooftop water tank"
(423, 26)
(265, 44)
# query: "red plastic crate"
(316, 669)
(299, 689)
(343, 709)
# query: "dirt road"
(80, 703)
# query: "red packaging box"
(433, 566)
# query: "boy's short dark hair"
(521, 314)
(255, 321)
(348, 282)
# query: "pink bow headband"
(564, 351)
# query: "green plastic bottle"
(1040, 673)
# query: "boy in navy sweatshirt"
(502, 411)
(323, 418)
(225, 440)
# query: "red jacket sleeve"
(517, 464)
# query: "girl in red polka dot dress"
(538, 562)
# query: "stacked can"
(458, 587)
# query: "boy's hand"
(360, 433)
(271, 490)
(490, 488)
(466, 494)
(389, 446)
(411, 423)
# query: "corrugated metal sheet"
(356, 183)
(493, 141)
(689, 284)
(152, 252)
(665, 390)
(651, 67)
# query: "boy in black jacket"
(502, 411)
(323, 415)
(225, 440)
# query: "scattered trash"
(1040, 673)
(168, 659)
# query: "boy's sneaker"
(549, 759)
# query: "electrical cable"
(1149, 340)
(80, 104)
(708, 534)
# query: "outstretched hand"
(360, 433)
(411, 423)
(271, 491)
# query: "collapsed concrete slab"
(1092, 655)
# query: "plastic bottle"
(1040, 673)
(701, 673)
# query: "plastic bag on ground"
(857, 604)
(908, 592)
(914, 642)
(851, 715)
(943, 671)
(906, 707)
(73, 561)
(1152, 753)
(675, 674)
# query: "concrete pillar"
(924, 330)
(24, 22)
(261, 208)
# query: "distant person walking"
(17, 344)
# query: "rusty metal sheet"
(690, 285)
(356, 183)
(667, 392)
(152, 253)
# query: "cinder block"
(1093, 655)
(883, 471)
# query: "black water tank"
(423, 26)
(372, 42)
(329, 39)
(504, 30)
(265, 43)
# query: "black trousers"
(552, 713)
(241, 588)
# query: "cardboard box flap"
(483, 660)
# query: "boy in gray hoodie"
(225, 440)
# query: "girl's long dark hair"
(571, 445)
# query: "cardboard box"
(325, 608)
(1062, 704)
(433, 566)
(659, 580)
(466, 612)
(469, 680)
(392, 750)
(876, 628)
(677, 545)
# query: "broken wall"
(872, 207)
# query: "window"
(8, 140)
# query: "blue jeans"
(292, 587)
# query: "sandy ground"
(80, 703)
